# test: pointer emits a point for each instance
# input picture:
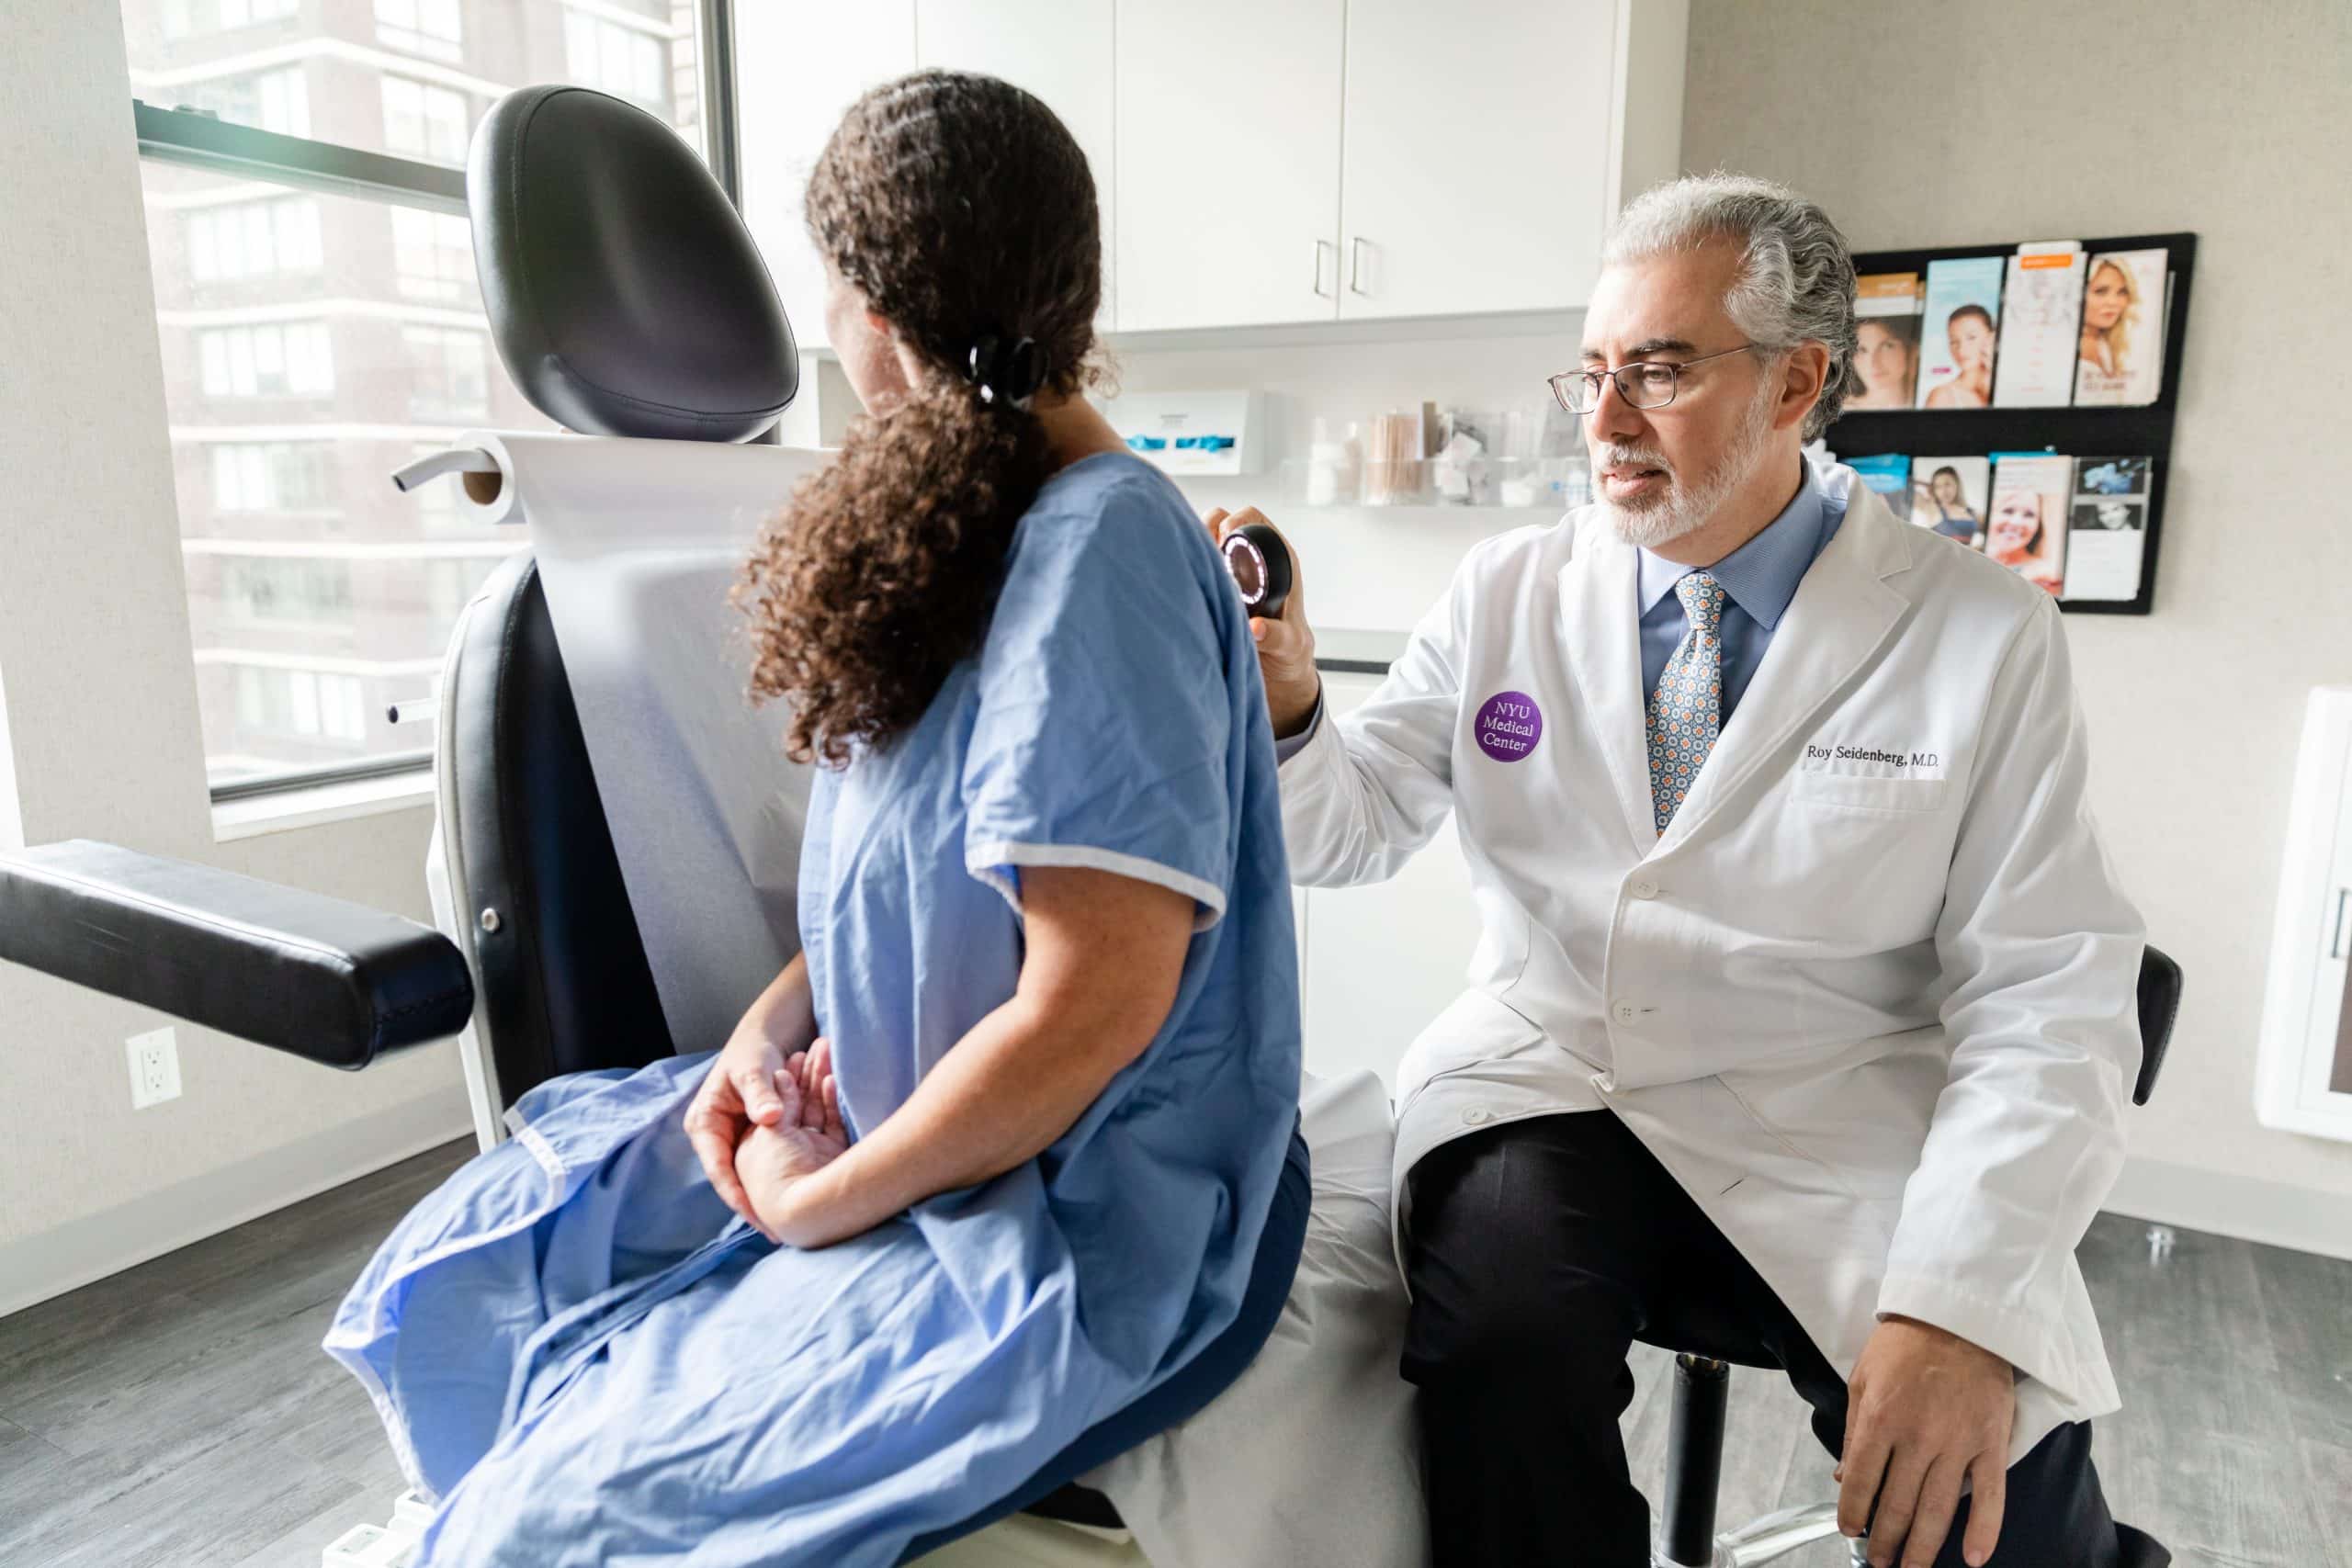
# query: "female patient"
(1037, 1194)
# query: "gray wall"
(1920, 123)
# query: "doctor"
(1803, 1019)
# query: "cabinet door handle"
(1356, 266)
(1320, 247)
(2335, 936)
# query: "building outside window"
(253, 239)
(305, 703)
(433, 255)
(181, 18)
(422, 120)
(275, 101)
(626, 61)
(450, 372)
(432, 28)
(272, 476)
(315, 338)
(305, 592)
(275, 359)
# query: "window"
(253, 239)
(629, 63)
(433, 255)
(182, 17)
(289, 590)
(322, 326)
(272, 476)
(273, 360)
(425, 121)
(420, 26)
(451, 367)
(454, 581)
(302, 703)
(275, 101)
(436, 506)
(326, 70)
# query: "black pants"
(1538, 1252)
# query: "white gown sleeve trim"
(987, 861)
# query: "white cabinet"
(1383, 960)
(1342, 159)
(1262, 162)
(1228, 162)
(800, 63)
(1476, 171)
(803, 64)
(1058, 50)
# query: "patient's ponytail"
(964, 212)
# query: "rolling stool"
(1694, 1442)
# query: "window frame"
(197, 139)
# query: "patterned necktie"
(1686, 711)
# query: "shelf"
(2100, 432)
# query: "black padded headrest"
(626, 296)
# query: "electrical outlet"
(154, 1067)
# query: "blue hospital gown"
(588, 1359)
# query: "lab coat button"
(1625, 1011)
(1644, 890)
(1474, 1117)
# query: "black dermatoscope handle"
(1261, 565)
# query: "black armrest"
(336, 982)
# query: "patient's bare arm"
(1101, 960)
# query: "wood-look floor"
(182, 1416)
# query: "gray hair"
(1796, 277)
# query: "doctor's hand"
(1925, 1409)
(1285, 645)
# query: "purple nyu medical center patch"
(1509, 726)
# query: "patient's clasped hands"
(762, 1121)
(807, 1137)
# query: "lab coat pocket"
(1830, 1171)
(1473, 1028)
(1865, 1121)
(1867, 793)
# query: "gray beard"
(1682, 510)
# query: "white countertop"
(1350, 647)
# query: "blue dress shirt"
(1758, 578)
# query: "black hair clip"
(1007, 373)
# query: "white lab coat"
(1877, 1013)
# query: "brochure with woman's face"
(1962, 329)
(2120, 361)
(1948, 497)
(1886, 350)
(2026, 527)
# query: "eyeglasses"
(1644, 384)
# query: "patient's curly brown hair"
(961, 209)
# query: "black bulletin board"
(2077, 431)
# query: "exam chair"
(1694, 1441)
(628, 299)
